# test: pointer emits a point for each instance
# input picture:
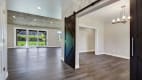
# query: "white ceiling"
(59, 8)
(49, 8)
(69, 6)
(109, 12)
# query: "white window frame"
(27, 32)
(59, 35)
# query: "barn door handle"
(132, 46)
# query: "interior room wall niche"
(87, 40)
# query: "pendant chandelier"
(123, 17)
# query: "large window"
(31, 38)
(42, 38)
(21, 37)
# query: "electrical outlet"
(4, 69)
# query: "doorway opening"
(87, 39)
(112, 40)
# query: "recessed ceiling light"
(51, 22)
(39, 8)
(14, 17)
(35, 20)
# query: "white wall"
(99, 36)
(52, 35)
(87, 40)
(113, 39)
(117, 39)
(98, 25)
(53, 38)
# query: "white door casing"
(3, 40)
(1, 44)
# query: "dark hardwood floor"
(45, 64)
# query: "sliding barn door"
(136, 40)
(70, 37)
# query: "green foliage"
(31, 43)
(21, 43)
(32, 40)
(21, 37)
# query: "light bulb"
(14, 17)
(51, 22)
(35, 20)
(118, 20)
(129, 17)
(113, 20)
(123, 17)
(39, 8)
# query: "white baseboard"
(117, 55)
(6, 76)
(77, 67)
(87, 51)
(10, 47)
(99, 52)
(62, 59)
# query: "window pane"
(32, 38)
(42, 38)
(20, 37)
(59, 33)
